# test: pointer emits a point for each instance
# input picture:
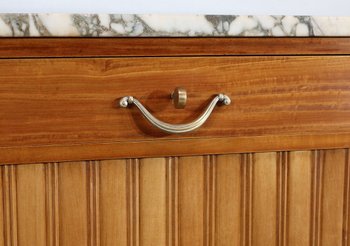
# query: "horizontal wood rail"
(114, 47)
(172, 147)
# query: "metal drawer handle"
(173, 128)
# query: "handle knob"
(179, 97)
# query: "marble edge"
(162, 25)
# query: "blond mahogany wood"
(111, 47)
(271, 198)
(61, 109)
(161, 148)
(113, 194)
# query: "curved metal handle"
(172, 128)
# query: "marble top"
(151, 25)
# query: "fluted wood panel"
(275, 198)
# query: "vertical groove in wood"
(282, 197)
(172, 201)
(209, 200)
(89, 201)
(137, 202)
(97, 202)
(129, 201)
(346, 201)
(6, 216)
(133, 231)
(206, 201)
(93, 188)
(10, 205)
(213, 200)
(52, 216)
(316, 197)
(247, 197)
(2, 229)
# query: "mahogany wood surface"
(66, 109)
(287, 95)
(275, 198)
(59, 117)
(111, 47)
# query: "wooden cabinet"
(272, 168)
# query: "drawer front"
(62, 109)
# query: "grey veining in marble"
(108, 25)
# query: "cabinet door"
(272, 198)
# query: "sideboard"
(270, 168)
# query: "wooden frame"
(115, 47)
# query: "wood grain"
(346, 206)
(161, 148)
(9, 192)
(247, 199)
(333, 191)
(2, 211)
(52, 204)
(172, 200)
(113, 210)
(282, 162)
(264, 199)
(288, 94)
(191, 201)
(73, 204)
(109, 47)
(93, 202)
(317, 160)
(299, 198)
(153, 201)
(71, 102)
(228, 200)
(133, 202)
(31, 204)
(211, 200)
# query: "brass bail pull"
(176, 128)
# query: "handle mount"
(179, 97)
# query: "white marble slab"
(214, 7)
(150, 25)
